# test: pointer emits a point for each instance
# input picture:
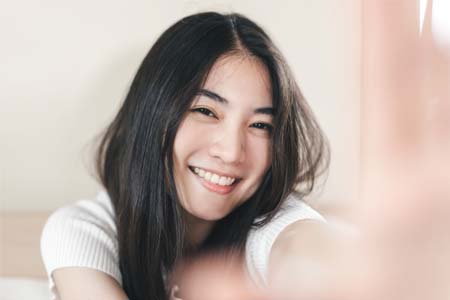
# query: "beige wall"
(65, 67)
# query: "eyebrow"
(216, 97)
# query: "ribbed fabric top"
(84, 235)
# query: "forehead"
(240, 79)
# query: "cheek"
(184, 135)
(260, 155)
(190, 135)
(187, 140)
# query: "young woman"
(212, 149)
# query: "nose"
(229, 146)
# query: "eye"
(263, 126)
(204, 111)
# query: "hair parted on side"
(135, 157)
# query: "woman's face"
(222, 147)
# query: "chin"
(210, 216)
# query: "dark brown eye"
(204, 111)
(263, 126)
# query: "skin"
(224, 137)
(85, 283)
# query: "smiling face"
(222, 147)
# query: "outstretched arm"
(84, 283)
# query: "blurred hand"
(403, 250)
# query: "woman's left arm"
(301, 266)
(304, 259)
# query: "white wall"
(65, 67)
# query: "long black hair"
(135, 156)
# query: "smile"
(214, 178)
(214, 182)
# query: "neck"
(197, 231)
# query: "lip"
(215, 188)
(217, 172)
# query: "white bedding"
(21, 288)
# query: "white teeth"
(214, 178)
(223, 181)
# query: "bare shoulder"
(86, 283)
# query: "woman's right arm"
(79, 251)
(74, 283)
